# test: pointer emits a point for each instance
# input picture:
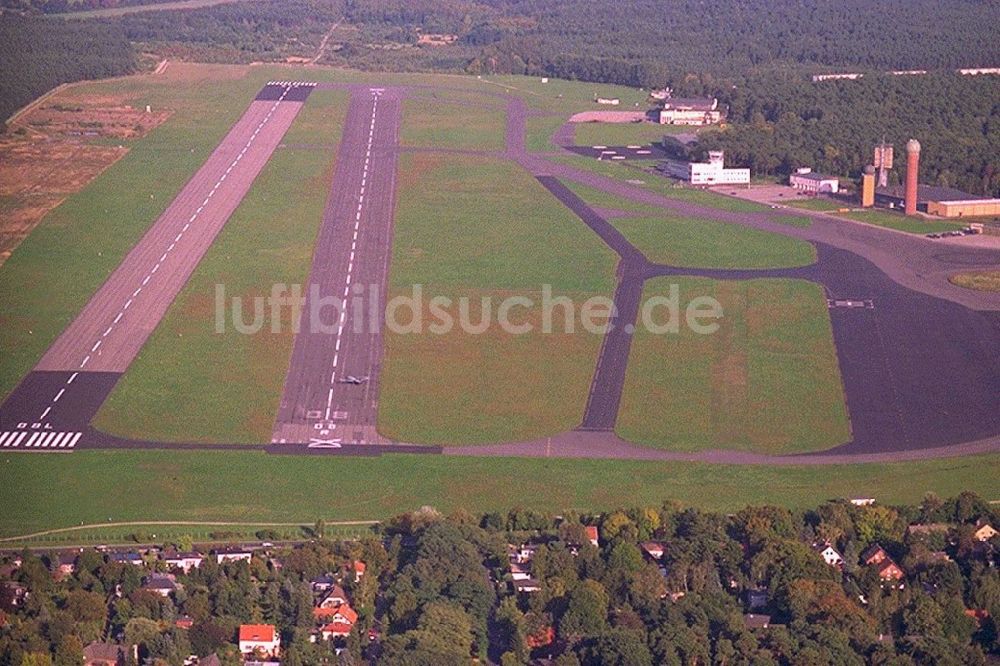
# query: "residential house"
(890, 571)
(13, 594)
(754, 621)
(978, 614)
(524, 553)
(653, 550)
(335, 596)
(162, 584)
(134, 559)
(829, 554)
(984, 532)
(335, 630)
(592, 534)
(527, 586)
(233, 555)
(322, 583)
(66, 563)
(874, 554)
(185, 561)
(184, 622)
(104, 654)
(520, 571)
(359, 570)
(260, 639)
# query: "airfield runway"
(321, 405)
(82, 366)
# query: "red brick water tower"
(912, 169)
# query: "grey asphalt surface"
(350, 261)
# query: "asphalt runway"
(81, 367)
(320, 407)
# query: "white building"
(714, 172)
(829, 554)
(805, 180)
(690, 111)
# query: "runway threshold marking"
(121, 313)
(47, 439)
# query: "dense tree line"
(38, 54)
(615, 42)
(663, 585)
(780, 123)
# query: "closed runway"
(82, 366)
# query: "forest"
(37, 55)
(843, 583)
(778, 123)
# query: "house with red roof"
(260, 638)
(592, 534)
(359, 570)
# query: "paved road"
(350, 264)
(82, 366)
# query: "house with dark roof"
(161, 584)
(104, 654)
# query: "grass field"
(817, 204)
(767, 381)
(447, 123)
(474, 228)
(99, 486)
(465, 388)
(623, 134)
(56, 270)
(682, 241)
(900, 222)
(190, 383)
(479, 223)
(980, 281)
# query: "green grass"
(160, 533)
(622, 134)
(56, 270)
(481, 223)
(980, 280)
(253, 486)
(900, 222)
(474, 228)
(766, 381)
(133, 9)
(464, 388)
(190, 383)
(446, 124)
(537, 131)
(683, 241)
(813, 203)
